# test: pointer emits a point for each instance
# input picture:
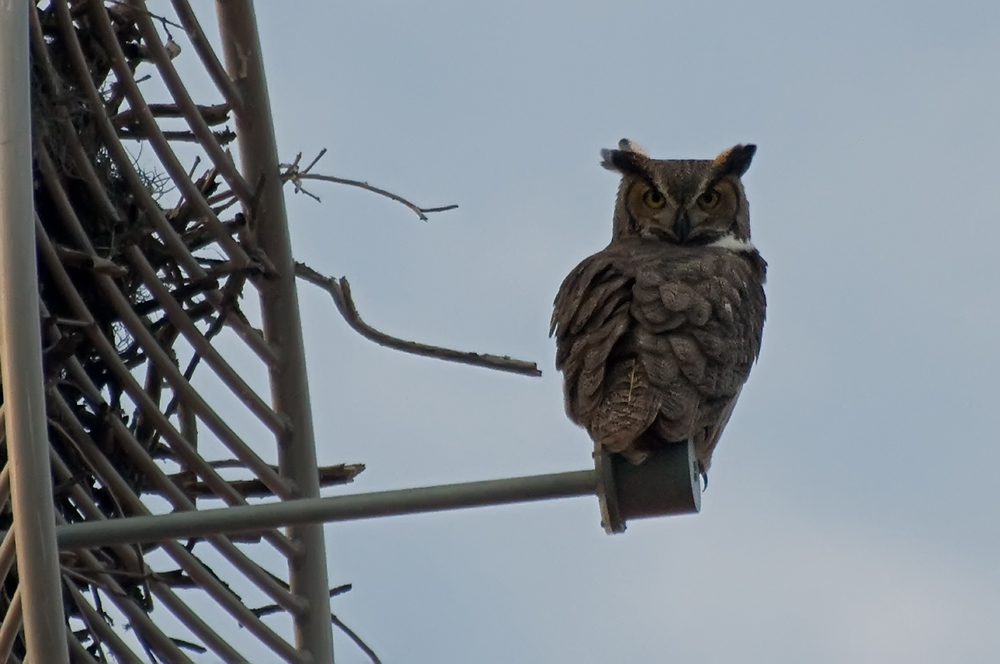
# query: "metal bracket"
(667, 482)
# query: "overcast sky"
(853, 509)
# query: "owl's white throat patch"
(733, 243)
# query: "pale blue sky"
(852, 514)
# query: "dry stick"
(421, 212)
(274, 608)
(357, 639)
(224, 136)
(213, 115)
(340, 291)
(163, 19)
(295, 175)
(145, 628)
(350, 633)
(187, 480)
(100, 630)
(90, 262)
(77, 652)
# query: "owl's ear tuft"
(736, 160)
(625, 145)
(609, 159)
(628, 158)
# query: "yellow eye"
(709, 199)
(654, 199)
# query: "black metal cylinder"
(666, 482)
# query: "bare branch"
(357, 639)
(313, 162)
(269, 609)
(162, 19)
(328, 476)
(340, 590)
(224, 137)
(212, 115)
(295, 175)
(88, 262)
(340, 291)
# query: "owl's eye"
(654, 199)
(709, 199)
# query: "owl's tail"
(626, 412)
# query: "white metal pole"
(280, 314)
(21, 354)
(351, 507)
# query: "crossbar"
(244, 518)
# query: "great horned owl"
(656, 333)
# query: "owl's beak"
(682, 226)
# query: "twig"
(85, 618)
(213, 330)
(295, 175)
(274, 608)
(340, 291)
(215, 114)
(224, 137)
(313, 162)
(188, 481)
(357, 639)
(340, 590)
(164, 20)
(421, 211)
(88, 262)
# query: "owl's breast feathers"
(656, 340)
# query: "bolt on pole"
(21, 355)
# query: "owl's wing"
(705, 444)
(591, 316)
(699, 324)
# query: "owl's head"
(681, 201)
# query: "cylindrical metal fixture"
(21, 354)
(667, 482)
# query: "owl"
(656, 333)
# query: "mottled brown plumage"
(656, 333)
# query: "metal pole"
(21, 354)
(10, 626)
(667, 483)
(245, 518)
(280, 313)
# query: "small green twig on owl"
(295, 175)
(340, 291)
